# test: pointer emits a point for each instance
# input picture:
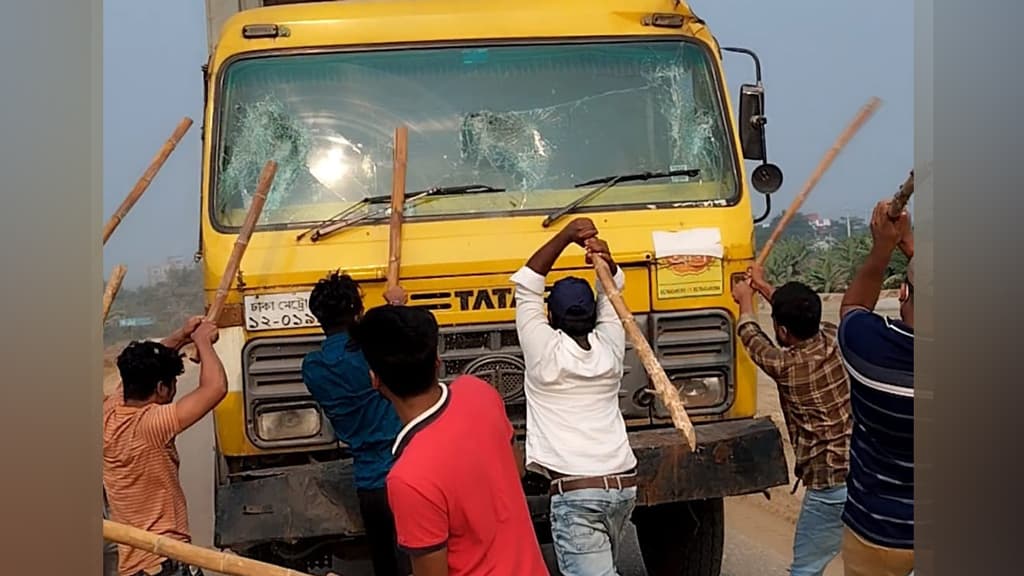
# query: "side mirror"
(766, 178)
(752, 121)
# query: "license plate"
(278, 311)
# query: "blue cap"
(572, 296)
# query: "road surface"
(759, 532)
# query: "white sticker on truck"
(278, 311)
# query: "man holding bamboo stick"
(575, 433)
(879, 356)
(815, 397)
(338, 378)
(141, 420)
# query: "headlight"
(700, 391)
(287, 421)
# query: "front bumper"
(319, 500)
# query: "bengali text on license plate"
(278, 311)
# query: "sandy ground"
(759, 532)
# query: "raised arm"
(886, 235)
(213, 382)
(578, 231)
(759, 282)
(608, 323)
(535, 333)
(768, 357)
(182, 335)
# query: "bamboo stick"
(241, 243)
(397, 204)
(147, 177)
(205, 558)
(899, 201)
(662, 385)
(110, 292)
(862, 117)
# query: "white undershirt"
(574, 425)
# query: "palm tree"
(850, 253)
(826, 272)
(897, 270)
(788, 260)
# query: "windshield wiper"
(316, 230)
(341, 221)
(607, 182)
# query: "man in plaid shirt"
(815, 398)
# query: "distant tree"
(826, 272)
(167, 303)
(799, 227)
(850, 253)
(838, 229)
(897, 270)
(788, 260)
(827, 266)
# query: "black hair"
(797, 308)
(400, 346)
(574, 322)
(144, 365)
(336, 301)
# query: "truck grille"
(272, 378)
(688, 344)
(697, 343)
(491, 353)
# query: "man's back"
(455, 484)
(574, 422)
(879, 356)
(140, 475)
(338, 378)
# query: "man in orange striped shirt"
(140, 422)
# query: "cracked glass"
(534, 120)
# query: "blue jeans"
(819, 531)
(587, 527)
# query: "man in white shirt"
(575, 433)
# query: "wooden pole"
(662, 385)
(205, 558)
(241, 243)
(147, 177)
(397, 204)
(110, 292)
(899, 201)
(862, 117)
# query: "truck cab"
(516, 105)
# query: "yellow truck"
(521, 114)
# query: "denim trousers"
(819, 531)
(587, 527)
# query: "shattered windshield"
(534, 120)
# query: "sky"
(821, 62)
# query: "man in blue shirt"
(339, 379)
(878, 353)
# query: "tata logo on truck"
(485, 299)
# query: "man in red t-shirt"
(455, 486)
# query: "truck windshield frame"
(664, 92)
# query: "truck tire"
(682, 538)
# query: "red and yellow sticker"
(689, 276)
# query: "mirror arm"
(767, 209)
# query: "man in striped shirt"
(141, 420)
(878, 353)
